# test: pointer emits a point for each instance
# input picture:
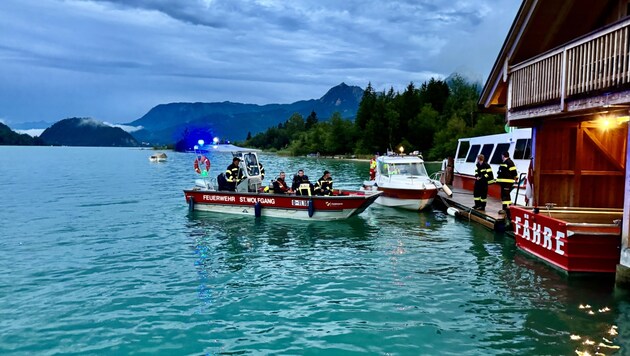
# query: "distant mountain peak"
(82, 131)
(342, 93)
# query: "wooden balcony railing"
(594, 63)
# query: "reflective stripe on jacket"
(232, 173)
(507, 172)
(484, 171)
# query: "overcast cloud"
(114, 60)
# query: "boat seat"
(304, 189)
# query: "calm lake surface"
(99, 255)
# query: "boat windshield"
(409, 169)
(251, 163)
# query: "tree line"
(429, 119)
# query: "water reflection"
(421, 258)
(566, 311)
(237, 240)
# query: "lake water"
(99, 255)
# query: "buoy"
(311, 208)
(447, 190)
(452, 211)
(257, 209)
(191, 203)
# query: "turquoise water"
(99, 255)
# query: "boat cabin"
(387, 166)
(518, 143)
(250, 169)
(564, 72)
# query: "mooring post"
(622, 277)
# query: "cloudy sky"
(113, 60)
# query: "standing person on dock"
(483, 176)
(506, 176)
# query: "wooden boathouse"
(564, 71)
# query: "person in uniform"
(262, 170)
(324, 185)
(373, 168)
(233, 174)
(483, 176)
(506, 176)
(280, 186)
(301, 185)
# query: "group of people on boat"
(506, 177)
(301, 185)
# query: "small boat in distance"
(250, 198)
(158, 157)
(404, 182)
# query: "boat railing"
(206, 183)
(437, 176)
(521, 178)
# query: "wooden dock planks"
(462, 200)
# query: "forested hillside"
(10, 137)
(429, 119)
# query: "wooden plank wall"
(579, 164)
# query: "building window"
(472, 154)
(486, 151)
(463, 149)
(496, 157)
(523, 149)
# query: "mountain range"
(86, 132)
(167, 123)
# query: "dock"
(462, 201)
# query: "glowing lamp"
(401, 149)
(201, 142)
(196, 147)
(215, 140)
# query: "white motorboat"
(158, 157)
(403, 181)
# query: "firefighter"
(233, 174)
(324, 185)
(261, 168)
(483, 176)
(506, 176)
(301, 185)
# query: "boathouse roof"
(540, 26)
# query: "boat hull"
(409, 199)
(578, 246)
(337, 207)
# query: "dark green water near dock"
(99, 255)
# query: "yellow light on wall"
(622, 119)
